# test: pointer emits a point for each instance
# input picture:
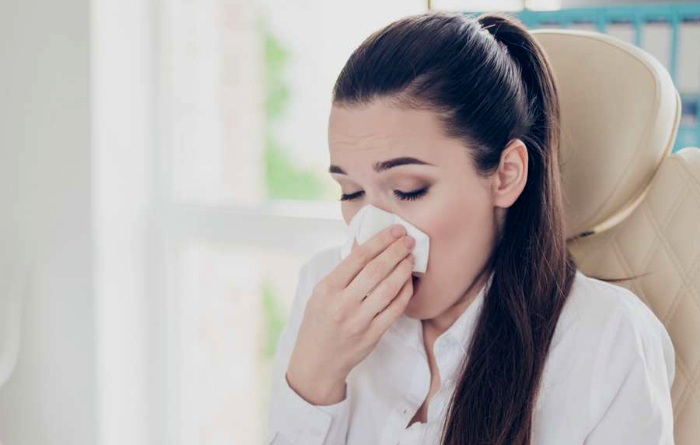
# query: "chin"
(411, 313)
(418, 311)
(418, 307)
(423, 305)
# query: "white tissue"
(371, 220)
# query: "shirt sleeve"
(291, 419)
(635, 373)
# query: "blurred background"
(163, 169)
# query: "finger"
(387, 290)
(385, 318)
(361, 255)
(379, 268)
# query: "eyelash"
(402, 196)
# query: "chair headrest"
(620, 112)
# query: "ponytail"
(533, 272)
(536, 73)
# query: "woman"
(502, 340)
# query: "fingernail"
(397, 230)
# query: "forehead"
(382, 127)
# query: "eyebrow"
(384, 165)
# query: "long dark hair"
(490, 82)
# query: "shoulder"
(608, 312)
(609, 370)
(606, 331)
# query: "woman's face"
(459, 209)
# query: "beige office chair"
(632, 208)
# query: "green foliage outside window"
(273, 318)
(283, 180)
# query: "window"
(244, 96)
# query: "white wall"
(45, 194)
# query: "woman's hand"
(340, 326)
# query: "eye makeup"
(403, 196)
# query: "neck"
(441, 323)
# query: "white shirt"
(607, 378)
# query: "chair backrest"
(632, 207)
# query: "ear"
(510, 178)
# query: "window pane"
(212, 101)
(233, 304)
(246, 89)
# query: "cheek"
(460, 227)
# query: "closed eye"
(408, 196)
